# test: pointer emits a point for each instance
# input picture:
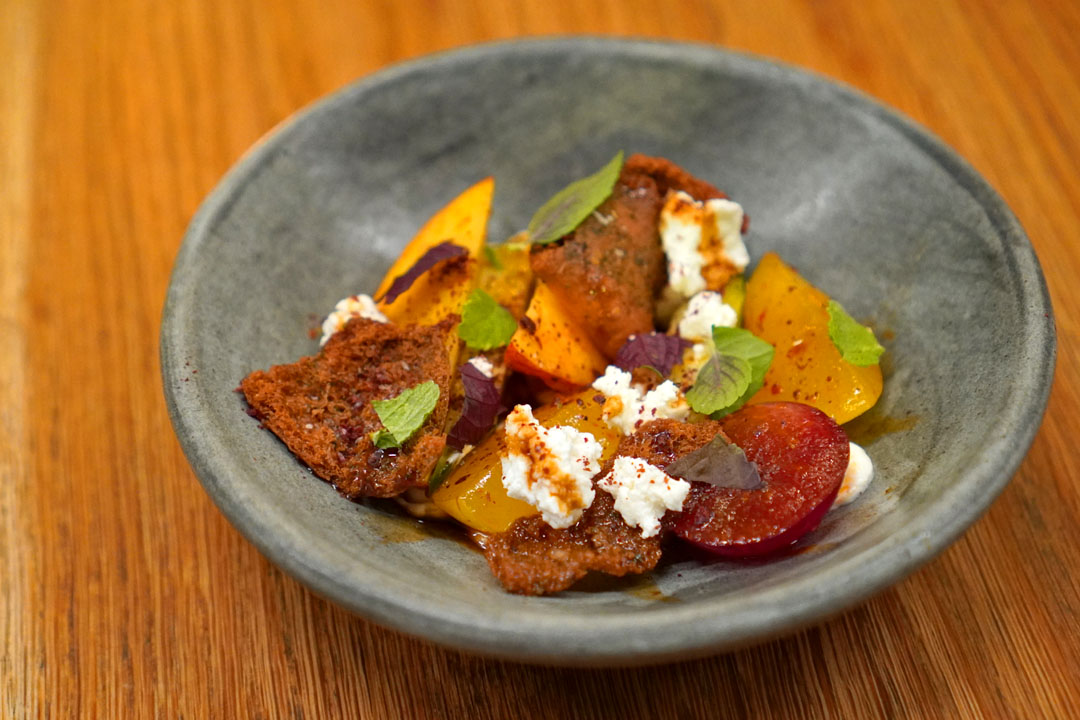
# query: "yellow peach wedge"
(441, 291)
(551, 346)
(473, 493)
(786, 311)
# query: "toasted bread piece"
(662, 442)
(533, 558)
(321, 406)
(609, 270)
(669, 176)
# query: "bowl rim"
(600, 639)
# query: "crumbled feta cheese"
(700, 240)
(482, 364)
(643, 493)
(727, 220)
(859, 473)
(627, 407)
(549, 468)
(346, 310)
(682, 220)
(705, 310)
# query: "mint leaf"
(719, 463)
(743, 343)
(856, 342)
(733, 374)
(383, 439)
(570, 206)
(719, 384)
(485, 324)
(403, 415)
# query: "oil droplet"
(646, 589)
(868, 428)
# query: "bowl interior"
(865, 205)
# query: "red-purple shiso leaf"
(719, 463)
(655, 350)
(482, 405)
(442, 251)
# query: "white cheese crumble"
(549, 468)
(727, 219)
(859, 473)
(346, 310)
(482, 364)
(698, 237)
(643, 493)
(627, 407)
(682, 220)
(705, 310)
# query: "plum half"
(801, 455)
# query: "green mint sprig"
(856, 343)
(404, 414)
(570, 206)
(733, 374)
(485, 324)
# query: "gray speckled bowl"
(869, 207)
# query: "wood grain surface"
(125, 593)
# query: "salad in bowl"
(602, 386)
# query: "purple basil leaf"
(482, 404)
(719, 463)
(655, 350)
(442, 251)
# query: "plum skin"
(801, 454)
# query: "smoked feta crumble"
(346, 310)
(627, 407)
(549, 468)
(643, 493)
(859, 473)
(703, 244)
(704, 311)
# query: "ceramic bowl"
(865, 203)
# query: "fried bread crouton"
(669, 176)
(321, 406)
(662, 442)
(609, 270)
(532, 558)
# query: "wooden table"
(124, 592)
